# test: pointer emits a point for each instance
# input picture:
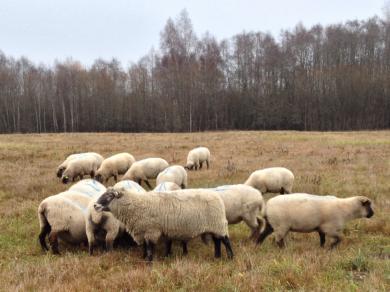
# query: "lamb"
(300, 212)
(182, 215)
(62, 216)
(272, 180)
(196, 157)
(145, 169)
(114, 166)
(243, 203)
(175, 174)
(83, 165)
(166, 187)
(105, 222)
(63, 165)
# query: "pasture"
(343, 164)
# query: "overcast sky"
(45, 30)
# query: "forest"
(319, 78)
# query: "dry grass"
(344, 164)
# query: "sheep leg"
(144, 248)
(184, 246)
(148, 184)
(207, 164)
(217, 247)
(267, 231)
(226, 243)
(91, 239)
(53, 240)
(110, 237)
(168, 248)
(92, 174)
(322, 238)
(116, 178)
(280, 235)
(42, 236)
(253, 225)
(200, 165)
(336, 241)
(149, 250)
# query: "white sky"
(45, 30)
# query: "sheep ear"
(365, 202)
(117, 194)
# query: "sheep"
(300, 212)
(243, 203)
(113, 166)
(63, 165)
(105, 222)
(272, 180)
(145, 169)
(182, 214)
(62, 216)
(89, 187)
(129, 185)
(83, 165)
(166, 187)
(175, 174)
(196, 157)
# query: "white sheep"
(113, 166)
(63, 165)
(89, 187)
(129, 185)
(166, 187)
(62, 216)
(145, 169)
(196, 157)
(105, 222)
(326, 215)
(175, 174)
(243, 203)
(272, 180)
(83, 165)
(182, 215)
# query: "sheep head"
(104, 201)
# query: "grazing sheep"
(196, 157)
(98, 223)
(145, 169)
(183, 214)
(63, 165)
(84, 165)
(326, 215)
(62, 216)
(114, 166)
(129, 185)
(272, 180)
(243, 203)
(89, 187)
(166, 187)
(175, 174)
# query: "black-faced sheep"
(145, 169)
(196, 157)
(113, 166)
(63, 165)
(175, 174)
(326, 215)
(272, 180)
(180, 215)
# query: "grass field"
(344, 164)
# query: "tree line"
(320, 78)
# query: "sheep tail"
(45, 227)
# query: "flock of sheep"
(90, 212)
